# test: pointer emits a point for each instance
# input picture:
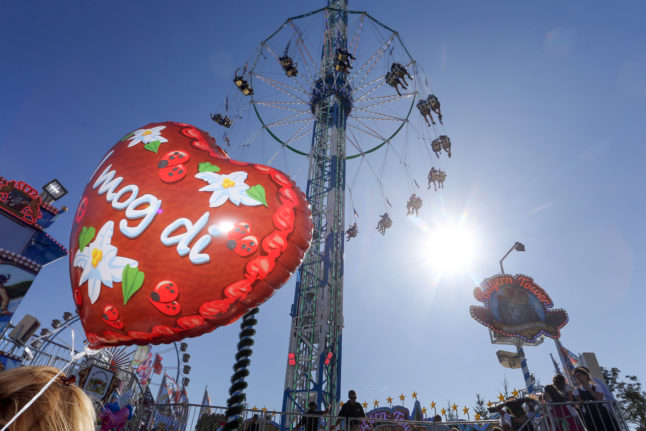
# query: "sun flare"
(452, 247)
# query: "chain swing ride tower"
(314, 358)
(357, 93)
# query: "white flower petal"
(104, 236)
(86, 274)
(234, 197)
(157, 129)
(160, 138)
(94, 289)
(219, 197)
(118, 263)
(238, 177)
(109, 253)
(135, 142)
(245, 199)
(82, 258)
(210, 177)
(104, 274)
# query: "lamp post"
(518, 246)
(529, 380)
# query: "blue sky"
(544, 103)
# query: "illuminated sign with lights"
(20, 200)
(291, 357)
(387, 415)
(515, 306)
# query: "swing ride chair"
(342, 60)
(222, 120)
(288, 65)
(352, 231)
(384, 223)
(413, 205)
(441, 143)
(352, 95)
(242, 84)
(436, 177)
(434, 104)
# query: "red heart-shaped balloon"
(173, 238)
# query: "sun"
(451, 247)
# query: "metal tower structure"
(314, 359)
(348, 98)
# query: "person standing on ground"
(310, 422)
(351, 409)
(252, 425)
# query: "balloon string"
(74, 357)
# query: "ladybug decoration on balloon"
(173, 239)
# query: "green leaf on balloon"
(152, 146)
(207, 167)
(126, 137)
(257, 192)
(131, 281)
(86, 236)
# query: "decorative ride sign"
(20, 200)
(515, 306)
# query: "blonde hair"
(60, 408)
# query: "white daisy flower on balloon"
(146, 136)
(230, 187)
(100, 262)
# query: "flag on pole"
(157, 364)
(206, 402)
(165, 395)
(556, 367)
(572, 360)
(140, 355)
(569, 360)
(144, 370)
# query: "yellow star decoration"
(432, 404)
(390, 400)
(365, 405)
(423, 410)
(264, 409)
(376, 403)
(477, 416)
(443, 411)
(402, 397)
(465, 410)
(454, 407)
(501, 397)
(414, 395)
(489, 404)
(515, 393)
(341, 403)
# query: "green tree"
(630, 396)
(209, 422)
(481, 407)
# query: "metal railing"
(210, 418)
(583, 416)
(571, 416)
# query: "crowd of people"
(51, 402)
(584, 405)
